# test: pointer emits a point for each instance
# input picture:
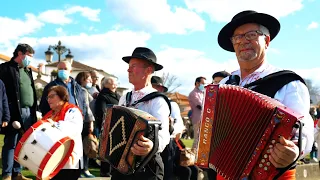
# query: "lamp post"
(59, 49)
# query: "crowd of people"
(76, 105)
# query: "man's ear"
(267, 40)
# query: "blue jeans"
(9, 165)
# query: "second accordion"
(121, 129)
(238, 128)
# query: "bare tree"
(313, 90)
(170, 81)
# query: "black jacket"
(10, 75)
(4, 107)
(105, 97)
(77, 90)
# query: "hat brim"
(271, 23)
(157, 67)
(165, 89)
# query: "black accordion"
(120, 130)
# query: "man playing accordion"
(142, 65)
(249, 35)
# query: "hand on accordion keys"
(143, 147)
(284, 153)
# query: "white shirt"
(157, 107)
(176, 114)
(72, 127)
(294, 95)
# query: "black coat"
(105, 97)
(4, 107)
(10, 75)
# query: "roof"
(180, 99)
(4, 57)
(78, 66)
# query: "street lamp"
(59, 50)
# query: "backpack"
(150, 97)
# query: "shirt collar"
(265, 65)
(136, 95)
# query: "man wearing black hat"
(249, 35)
(218, 76)
(142, 65)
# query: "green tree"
(39, 93)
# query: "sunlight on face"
(54, 100)
(136, 70)
(249, 50)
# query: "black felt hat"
(144, 54)
(244, 17)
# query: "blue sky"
(182, 33)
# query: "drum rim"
(49, 154)
(25, 136)
(44, 161)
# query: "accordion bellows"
(238, 129)
(121, 128)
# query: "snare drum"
(44, 149)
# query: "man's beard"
(247, 55)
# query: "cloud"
(188, 64)
(313, 25)
(15, 28)
(61, 16)
(224, 10)
(157, 16)
(54, 17)
(91, 14)
(60, 32)
(102, 51)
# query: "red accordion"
(238, 129)
(121, 129)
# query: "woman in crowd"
(85, 81)
(68, 118)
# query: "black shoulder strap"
(128, 98)
(233, 80)
(147, 98)
(270, 84)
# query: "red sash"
(60, 116)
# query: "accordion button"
(273, 141)
(265, 156)
(270, 146)
(268, 163)
(260, 165)
(263, 160)
(265, 168)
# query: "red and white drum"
(44, 149)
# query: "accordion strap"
(147, 98)
(270, 84)
(283, 170)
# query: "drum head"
(54, 162)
